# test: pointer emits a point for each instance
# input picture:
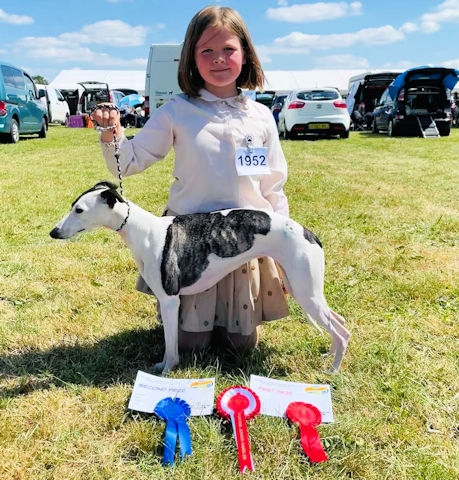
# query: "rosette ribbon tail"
(312, 446)
(240, 404)
(184, 436)
(308, 416)
(175, 413)
(241, 436)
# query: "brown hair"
(189, 79)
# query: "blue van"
(21, 110)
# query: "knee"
(189, 341)
(236, 341)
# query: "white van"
(58, 108)
(161, 80)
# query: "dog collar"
(125, 218)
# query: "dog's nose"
(54, 233)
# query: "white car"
(319, 111)
(58, 108)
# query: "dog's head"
(90, 210)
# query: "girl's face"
(219, 58)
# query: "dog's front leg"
(169, 314)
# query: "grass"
(73, 332)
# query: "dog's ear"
(111, 197)
(104, 184)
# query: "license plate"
(318, 126)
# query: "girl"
(227, 155)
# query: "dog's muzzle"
(54, 233)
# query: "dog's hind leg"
(320, 313)
(340, 339)
(169, 314)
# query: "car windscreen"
(318, 95)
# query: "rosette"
(240, 404)
(175, 412)
(308, 416)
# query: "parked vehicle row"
(417, 102)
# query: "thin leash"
(116, 154)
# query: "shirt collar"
(238, 101)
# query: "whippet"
(186, 254)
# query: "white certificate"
(149, 390)
(253, 161)
(276, 395)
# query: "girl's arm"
(149, 145)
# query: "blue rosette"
(175, 412)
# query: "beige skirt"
(239, 302)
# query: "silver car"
(318, 111)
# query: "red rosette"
(308, 417)
(240, 404)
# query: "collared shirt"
(205, 133)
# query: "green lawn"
(74, 332)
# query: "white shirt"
(205, 133)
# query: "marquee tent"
(277, 80)
(68, 79)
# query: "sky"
(46, 37)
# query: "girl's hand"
(106, 118)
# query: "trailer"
(161, 81)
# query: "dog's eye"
(78, 210)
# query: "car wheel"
(13, 135)
(285, 134)
(290, 135)
(374, 128)
(444, 130)
(44, 129)
(344, 134)
(391, 129)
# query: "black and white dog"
(187, 254)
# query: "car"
(57, 106)
(417, 102)
(128, 91)
(318, 111)
(89, 94)
(265, 97)
(364, 92)
(95, 93)
(21, 109)
(276, 105)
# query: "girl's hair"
(189, 79)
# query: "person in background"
(227, 155)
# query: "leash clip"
(249, 143)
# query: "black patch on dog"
(190, 239)
(311, 237)
(104, 185)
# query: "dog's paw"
(160, 366)
(164, 367)
(332, 370)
